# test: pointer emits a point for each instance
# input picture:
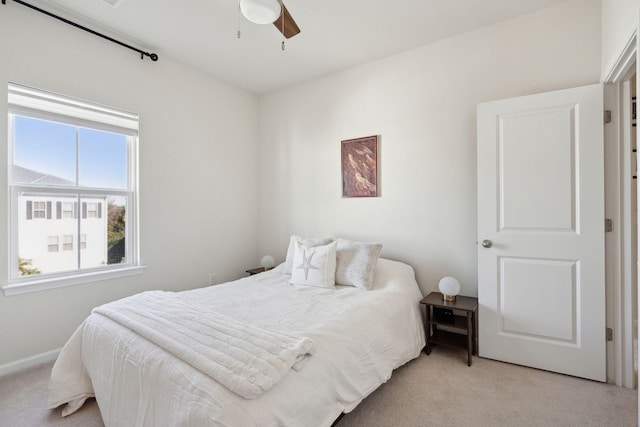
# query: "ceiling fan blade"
(290, 26)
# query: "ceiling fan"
(270, 12)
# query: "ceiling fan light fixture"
(261, 11)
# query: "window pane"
(93, 224)
(103, 159)
(116, 229)
(44, 152)
(39, 210)
(102, 231)
(67, 210)
(53, 243)
(67, 242)
(45, 242)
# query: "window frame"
(42, 105)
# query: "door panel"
(537, 169)
(525, 286)
(541, 203)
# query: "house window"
(39, 210)
(67, 242)
(52, 244)
(91, 210)
(72, 160)
(67, 209)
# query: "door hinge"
(608, 225)
(609, 334)
(607, 116)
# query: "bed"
(358, 338)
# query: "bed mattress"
(360, 337)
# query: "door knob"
(487, 243)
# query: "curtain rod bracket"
(152, 56)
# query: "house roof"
(24, 175)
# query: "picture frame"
(359, 158)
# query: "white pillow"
(307, 241)
(356, 263)
(314, 265)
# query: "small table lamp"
(449, 287)
(267, 262)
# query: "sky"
(50, 148)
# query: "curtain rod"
(142, 53)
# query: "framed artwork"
(360, 167)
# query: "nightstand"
(446, 326)
(253, 271)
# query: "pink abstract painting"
(360, 167)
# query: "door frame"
(619, 277)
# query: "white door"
(541, 285)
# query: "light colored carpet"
(23, 402)
(435, 390)
(441, 390)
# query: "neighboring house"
(51, 236)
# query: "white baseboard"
(28, 362)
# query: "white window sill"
(24, 287)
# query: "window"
(52, 244)
(39, 210)
(72, 167)
(67, 209)
(91, 210)
(67, 242)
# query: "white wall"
(198, 179)
(422, 103)
(619, 21)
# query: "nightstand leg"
(469, 337)
(427, 330)
(474, 336)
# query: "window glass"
(117, 230)
(108, 244)
(52, 243)
(102, 159)
(57, 253)
(43, 152)
(39, 210)
(67, 209)
(67, 242)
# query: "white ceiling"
(336, 34)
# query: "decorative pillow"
(307, 241)
(314, 265)
(356, 263)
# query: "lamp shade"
(261, 11)
(267, 262)
(449, 287)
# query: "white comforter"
(246, 359)
(360, 337)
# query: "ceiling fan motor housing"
(261, 11)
